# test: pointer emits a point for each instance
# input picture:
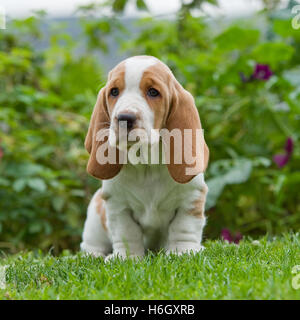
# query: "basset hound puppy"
(144, 205)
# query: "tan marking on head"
(199, 204)
(116, 79)
(101, 210)
(159, 77)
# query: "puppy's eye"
(152, 92)
(114, 92)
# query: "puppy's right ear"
(100, 120)
(184, 115)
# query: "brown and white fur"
(144, 206)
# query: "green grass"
(222, 271)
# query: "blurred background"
(239, 59)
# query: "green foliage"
(252, 270)
(46, 98)
(226, 172)
(236, 37)
(45, 101)
(274, 54)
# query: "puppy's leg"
(185, 231)
(95, 239)
(126, 234)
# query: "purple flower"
(289, 145)
(281, 159)
(229, 237)
(262, 72)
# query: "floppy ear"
(100, 120)
(183, 114)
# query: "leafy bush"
(46, 97)
(45, 101)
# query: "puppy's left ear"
(100, 120)
(183, 114)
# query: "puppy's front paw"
(122, 256)
(181, 249)
(92, 250)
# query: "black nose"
(130, 118)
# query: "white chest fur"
(152, 197)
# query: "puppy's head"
(142, 93)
